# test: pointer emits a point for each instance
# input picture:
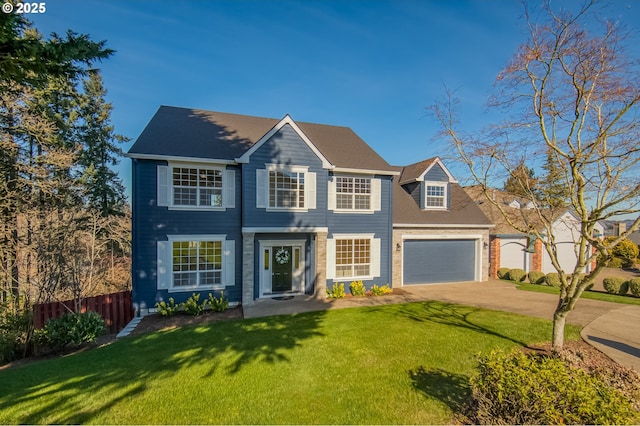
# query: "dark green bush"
(616, 262)
(517, 388)
(634, 286)
(615, 285)
(536, 277)
(73, 330)
(552, 279)
(502, 273)
(14, 332)
(517, 275)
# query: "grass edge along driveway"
(393, 364)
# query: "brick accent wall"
(536, 257)
(494, 256)
(396, 255)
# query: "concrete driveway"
(613, 328)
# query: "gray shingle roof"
(462, 209)
(185, 132)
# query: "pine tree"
(103, 189)
(522, 182)
(553, 191)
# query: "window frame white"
(426, 196)
(263, 188)
(166, 274)
(374, 257)
(167, 188)
(353, 194)
(375, 194)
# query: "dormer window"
(435, 195)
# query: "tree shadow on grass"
(452, 315)
(452, 389)
(80, 387)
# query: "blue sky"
(371, 65)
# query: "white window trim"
(308, 182)
(375, 196)
(444, 185)
(228, 257)
(227, 190)
(374, 257)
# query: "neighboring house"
(260, 207)
(511, 249)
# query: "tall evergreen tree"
(522, 182)
(553, 190)
(103, 189)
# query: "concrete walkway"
(613, 328)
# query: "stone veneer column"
(320, 281)
(248, 250)
(494, 256)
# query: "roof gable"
(416, 172)
(244, 158)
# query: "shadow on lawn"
(451, 315)
(77, 388)
(452, 389)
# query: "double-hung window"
(435, 195)
(353, 193)
(353, 257)
(196, 263)
(286, 189)
(197, 187)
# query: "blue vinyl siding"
(436, 174)
(378, 223)
(283, 148)
(152, 224)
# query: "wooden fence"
(114, 308)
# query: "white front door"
(282, 267)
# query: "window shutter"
(261, 188)
(310, 190)
(375, 257)
(423, 196)
(331, 193)
(376, 194)
(229, 263)
(163, 265)
(229, 184)
(164, 187)
(331, 259)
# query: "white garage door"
(513, 253)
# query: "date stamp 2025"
(24, 8)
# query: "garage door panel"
(431, 261)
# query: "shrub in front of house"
(167, 309)
(536, 277)
(533, 388)
(357, 288)
(502, 273)
(218, 304)
(72, 330)
(616, 263)
(552, 279)
(337, 291)
(516, 275)
(193, 306)
(616, 285)
(380, 290)
(634, 286)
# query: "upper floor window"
(353, 193)
(286, 189)
(194, 186)
(435, 195)
(197, 187)
(280, 187)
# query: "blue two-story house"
(259, 207)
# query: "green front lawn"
(394, 364)
(595, 295)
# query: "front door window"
(282, 265)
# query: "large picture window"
(286, 189)
(353, 257)
(197, 187)
(353, 193)
(196, 263)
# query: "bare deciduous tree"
(570, 98)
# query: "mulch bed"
(155, 322)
